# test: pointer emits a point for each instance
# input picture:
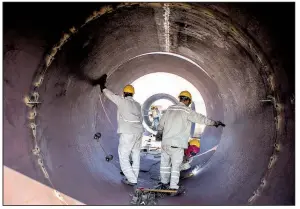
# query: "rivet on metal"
(45, 172)
(273, 159)
(36, 150)
(33, 127)
(277, 147)
(263, 183)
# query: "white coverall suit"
(131, 131)
(175, 125)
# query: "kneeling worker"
(130, 129)
(189, 153)
(174, 131)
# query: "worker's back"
(129, 116)
(176, 126)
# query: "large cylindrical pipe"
(255, 153)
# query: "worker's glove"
(158, 137)
(219, 123)
(101, 82)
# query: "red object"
(191, 151)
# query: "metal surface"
(30, 192)
(52, 142)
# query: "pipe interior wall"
(240, 64)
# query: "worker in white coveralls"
(155, 115)
(130, 129)
(174, 132)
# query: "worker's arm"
(112, 97)
(142, 115)
(161, 124)
(160, 127)
(201, 119)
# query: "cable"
(103, 149)
(107, 157)
(214, 148)
(105, 112)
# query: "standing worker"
(155, 115)
(174, 131)
(130, 129)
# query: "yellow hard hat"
(153, 107)
(128, 89)
(186, 94)
(195, 142)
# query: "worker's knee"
(176, 163)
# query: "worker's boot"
(178, 192)
(162, 186)
(125, 181)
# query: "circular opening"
(155, 97)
